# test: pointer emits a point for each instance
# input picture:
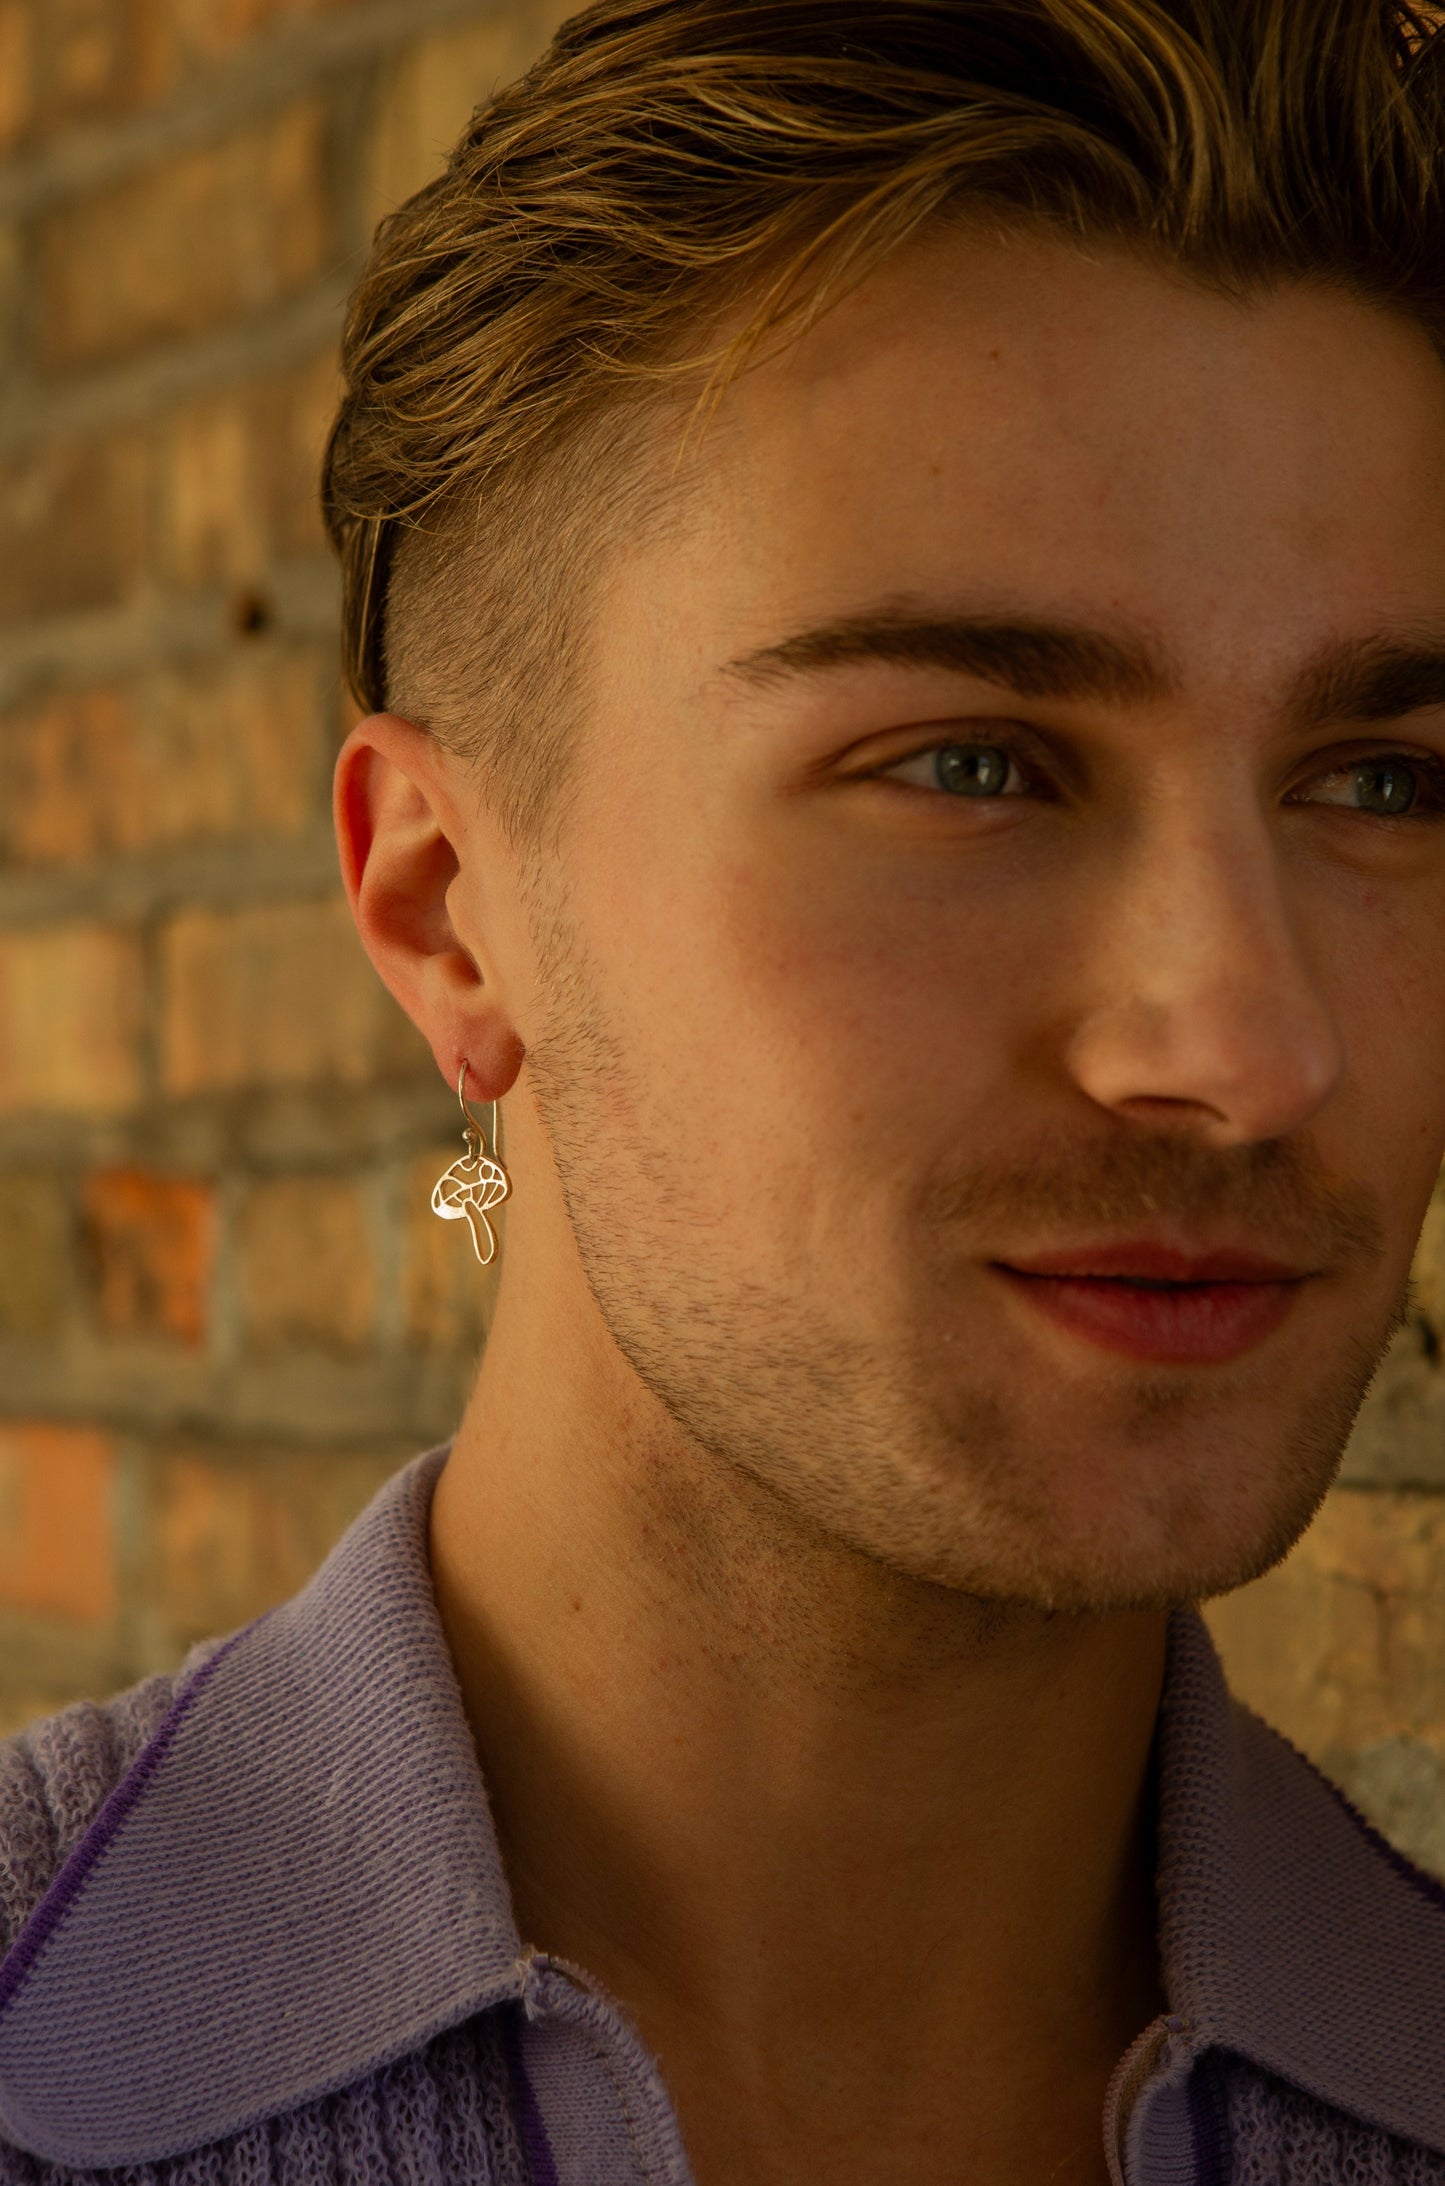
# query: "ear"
(401, 807)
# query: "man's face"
(1048, 909)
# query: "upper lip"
(1152, 1262)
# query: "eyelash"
(1428, 768)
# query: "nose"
(1205, 1009)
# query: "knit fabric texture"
(52, 1779)
(444, 2114)
(1282, 2137)
(255, 1931)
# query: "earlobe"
(400, 838)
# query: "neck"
(754, 1782)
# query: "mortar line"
(120, 393)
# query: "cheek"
(1382, 949)
(1380, 958)
(880, 993)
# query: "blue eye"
(1388, 788)
(981, 771)
(972, 770)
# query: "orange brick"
(150, 1247)
(57, 1522)
(204, 237)
(72, 526)
(306, 1265)
(447, 1298)
(236, 746)
(228, 1539)
(71, 1004)
(280, 994)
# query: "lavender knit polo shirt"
(257, 1933)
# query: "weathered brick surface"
(12, 294)
(307, 1265)
(71, 1020)
(1342, 1647)
(73, 525)
(274, 995)
(85, 57)
(213, 522)
(149, 1248)
(230, 1533)
(237, 474)
(186, 35)
(234, 745)
(437, 82)
(17, 70)
(57, 1521)
(203, 237)
(291, 418)
(216, 1130)
(67, 64)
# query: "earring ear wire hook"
(469, 1122)
(474, 1183)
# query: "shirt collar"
(298, 1881)
(1290, 1931)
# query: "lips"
(1147, 1262)
(1158, 1303)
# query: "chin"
(1104, 1521)
(1141, 1567)
(1164, 1490)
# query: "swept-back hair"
(669, 167)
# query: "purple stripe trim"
(1209, 2123)
(541, 2163)
(16, 1968)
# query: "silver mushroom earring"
(475, 1182)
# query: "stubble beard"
(787, 1421)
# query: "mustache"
(1276, 1193)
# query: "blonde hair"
(669, 165)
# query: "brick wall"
(225, 1312)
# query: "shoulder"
(55, 1776)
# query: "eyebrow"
(1370, 679)
(1036, 659)
(1374, 679)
